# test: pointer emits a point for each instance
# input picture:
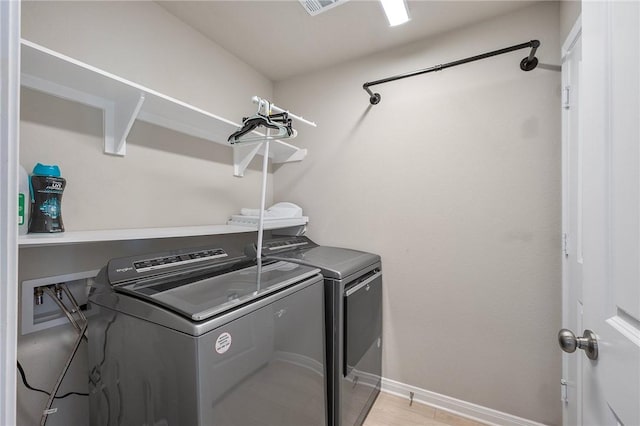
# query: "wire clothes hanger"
(280, 121)
(264, 118)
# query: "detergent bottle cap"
(46, 170)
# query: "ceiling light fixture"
(396, 11)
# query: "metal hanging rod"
(527, 64)
(261, 102)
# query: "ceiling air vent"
(315, 7)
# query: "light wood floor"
(391, 410)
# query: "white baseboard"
(455, 406)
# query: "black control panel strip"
(285, 244)
(182, 259)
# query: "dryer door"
(362, 346)
(363, 318)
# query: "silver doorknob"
(588, 342)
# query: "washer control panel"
(126, 269)
(167, 261)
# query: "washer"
(207, 336)
(353, 301)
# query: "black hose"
(28, 386)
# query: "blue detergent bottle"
(46, 187)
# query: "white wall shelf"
(123, 102)
(79, 237)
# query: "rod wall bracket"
(530, 62)
(374, 98)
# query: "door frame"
(9, 157)
(570, 318)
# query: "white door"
(610, 163)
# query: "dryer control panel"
(281, 245)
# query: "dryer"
(206, 336)
(353, 318)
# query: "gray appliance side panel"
(334, 290)
(140, 373)
(267, 367)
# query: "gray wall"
(569, 11)
(454, 178)
(180, 180)
(166, 179)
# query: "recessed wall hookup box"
(45, 313)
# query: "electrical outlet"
(36, 317)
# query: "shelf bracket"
(244, 153)
(242, 156)
(118, 121)
(118, 117)
(289, 154)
